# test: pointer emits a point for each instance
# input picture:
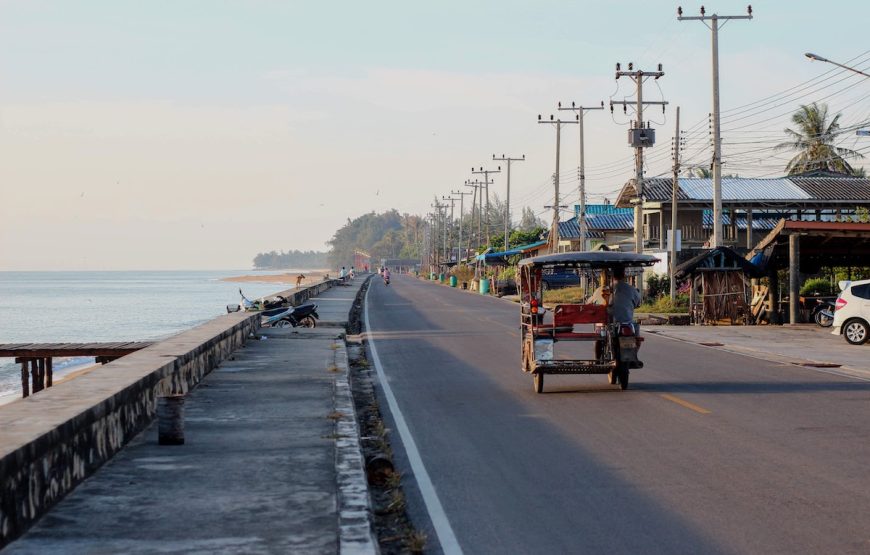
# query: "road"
(706, 452)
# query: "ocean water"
(53, 307)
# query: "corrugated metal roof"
(611, 221)
(835, 188)
(738, 188)
(660, 188)
(570, 229)
(602, 209)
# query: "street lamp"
(818, 58)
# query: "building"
(751, 207)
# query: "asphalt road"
(707, 452)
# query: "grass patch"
(565, 295)
(664, 304)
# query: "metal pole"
(676, 187)
(717, 140)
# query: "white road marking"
(443, 530)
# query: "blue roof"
(512, 252)
(602, 209)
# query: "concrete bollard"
(170, 420)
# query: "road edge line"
(439, 519)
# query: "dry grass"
(333, 368)
(415, 542)
(565, 295)
(337, 415)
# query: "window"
(862, 291)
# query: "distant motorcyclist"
(386, 276)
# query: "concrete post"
(170, 420)
(773, 297)
(794, 258)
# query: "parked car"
(557, 279)
(852, 312)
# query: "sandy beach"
(311, 277)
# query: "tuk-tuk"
(616, 343)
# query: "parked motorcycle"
(304, 315)
(823, 313)
(263, 304)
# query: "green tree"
(814, 142)
(529, 221)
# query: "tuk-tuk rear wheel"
(538, 379)
(623, 377)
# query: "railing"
(695, 234)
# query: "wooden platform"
(39, 356)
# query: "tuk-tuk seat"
(565, 316)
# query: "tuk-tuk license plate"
(627, 343)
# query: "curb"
(355, 524)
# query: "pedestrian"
(342, 274)
(352, 273)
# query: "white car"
(852, 312)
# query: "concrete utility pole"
(582, 216)
(440, 218)
(674, 190)
(475, 186)
(639, 137)
(450, 224)
(554, 233)
(717, 139)
(486, 182)
(507, 209)
(461, 213)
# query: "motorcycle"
(386, 280)
(304, 315)
(823, 313)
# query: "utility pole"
(474, 185)
(507, 209)
(450, 224)
(478, 185)
(640, 136)
(439, 218)
(674, 190)
(582, 216)
(461, 213)
(486, 182)
(554, 233)
(717, 139)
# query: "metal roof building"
(797, 192)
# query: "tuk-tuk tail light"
(534, 306)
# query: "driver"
(623, 297)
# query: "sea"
(94, 306)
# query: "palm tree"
(814, 141)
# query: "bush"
(664, 304)
(816, 286)
(658, 285)
(463, 272)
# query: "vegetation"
(814, 142)
(664, 305)
(386, 235)
(298, 260)
(817, 286)
(463, 272)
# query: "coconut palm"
(814, 141)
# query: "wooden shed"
(720, 291)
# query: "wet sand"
(311, 277)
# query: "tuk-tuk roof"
(591, 259)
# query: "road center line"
(684, 403)
(440, 523)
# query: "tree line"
(296, 259)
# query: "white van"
(852, 312)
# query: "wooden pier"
(37, 358)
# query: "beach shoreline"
(311, 277)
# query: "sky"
(195, 134)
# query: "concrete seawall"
(52, 441)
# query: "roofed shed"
(720, 288)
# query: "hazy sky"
(194, 134)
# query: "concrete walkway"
(271, 462)
(803, 345)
